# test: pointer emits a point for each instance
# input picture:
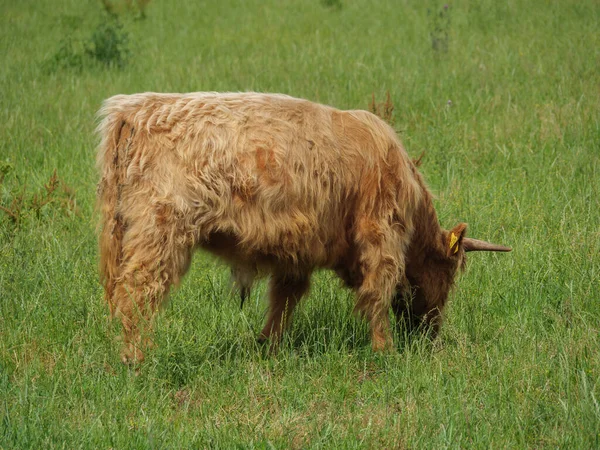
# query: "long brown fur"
(273, 185)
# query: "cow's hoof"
(131, 355)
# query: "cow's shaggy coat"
(273, 185)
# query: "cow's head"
(430, 273)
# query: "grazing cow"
(272, 185)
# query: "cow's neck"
(427, 237)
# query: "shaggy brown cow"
(273, 185)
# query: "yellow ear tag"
(453, 241)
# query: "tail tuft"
(243, 279)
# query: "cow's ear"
(454, 239)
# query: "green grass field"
(503, 97)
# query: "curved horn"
(475, 245)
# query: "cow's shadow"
(322, 325)
(315, 333)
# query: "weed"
(333, 4)
(55, 193)
(418, 161)
(67, 56)
(114, 8)
(5, 169)
(108, 46)
(384, 109)
(440, 28)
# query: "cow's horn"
(475, 245)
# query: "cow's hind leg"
(154, 258)
(285, 291)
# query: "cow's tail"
(116, 136)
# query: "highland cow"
(275, 186)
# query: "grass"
(508, 114)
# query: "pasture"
(503, 99)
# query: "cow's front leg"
(374, 305)
(285, 291)
(382, 266)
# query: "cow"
(273, 185)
